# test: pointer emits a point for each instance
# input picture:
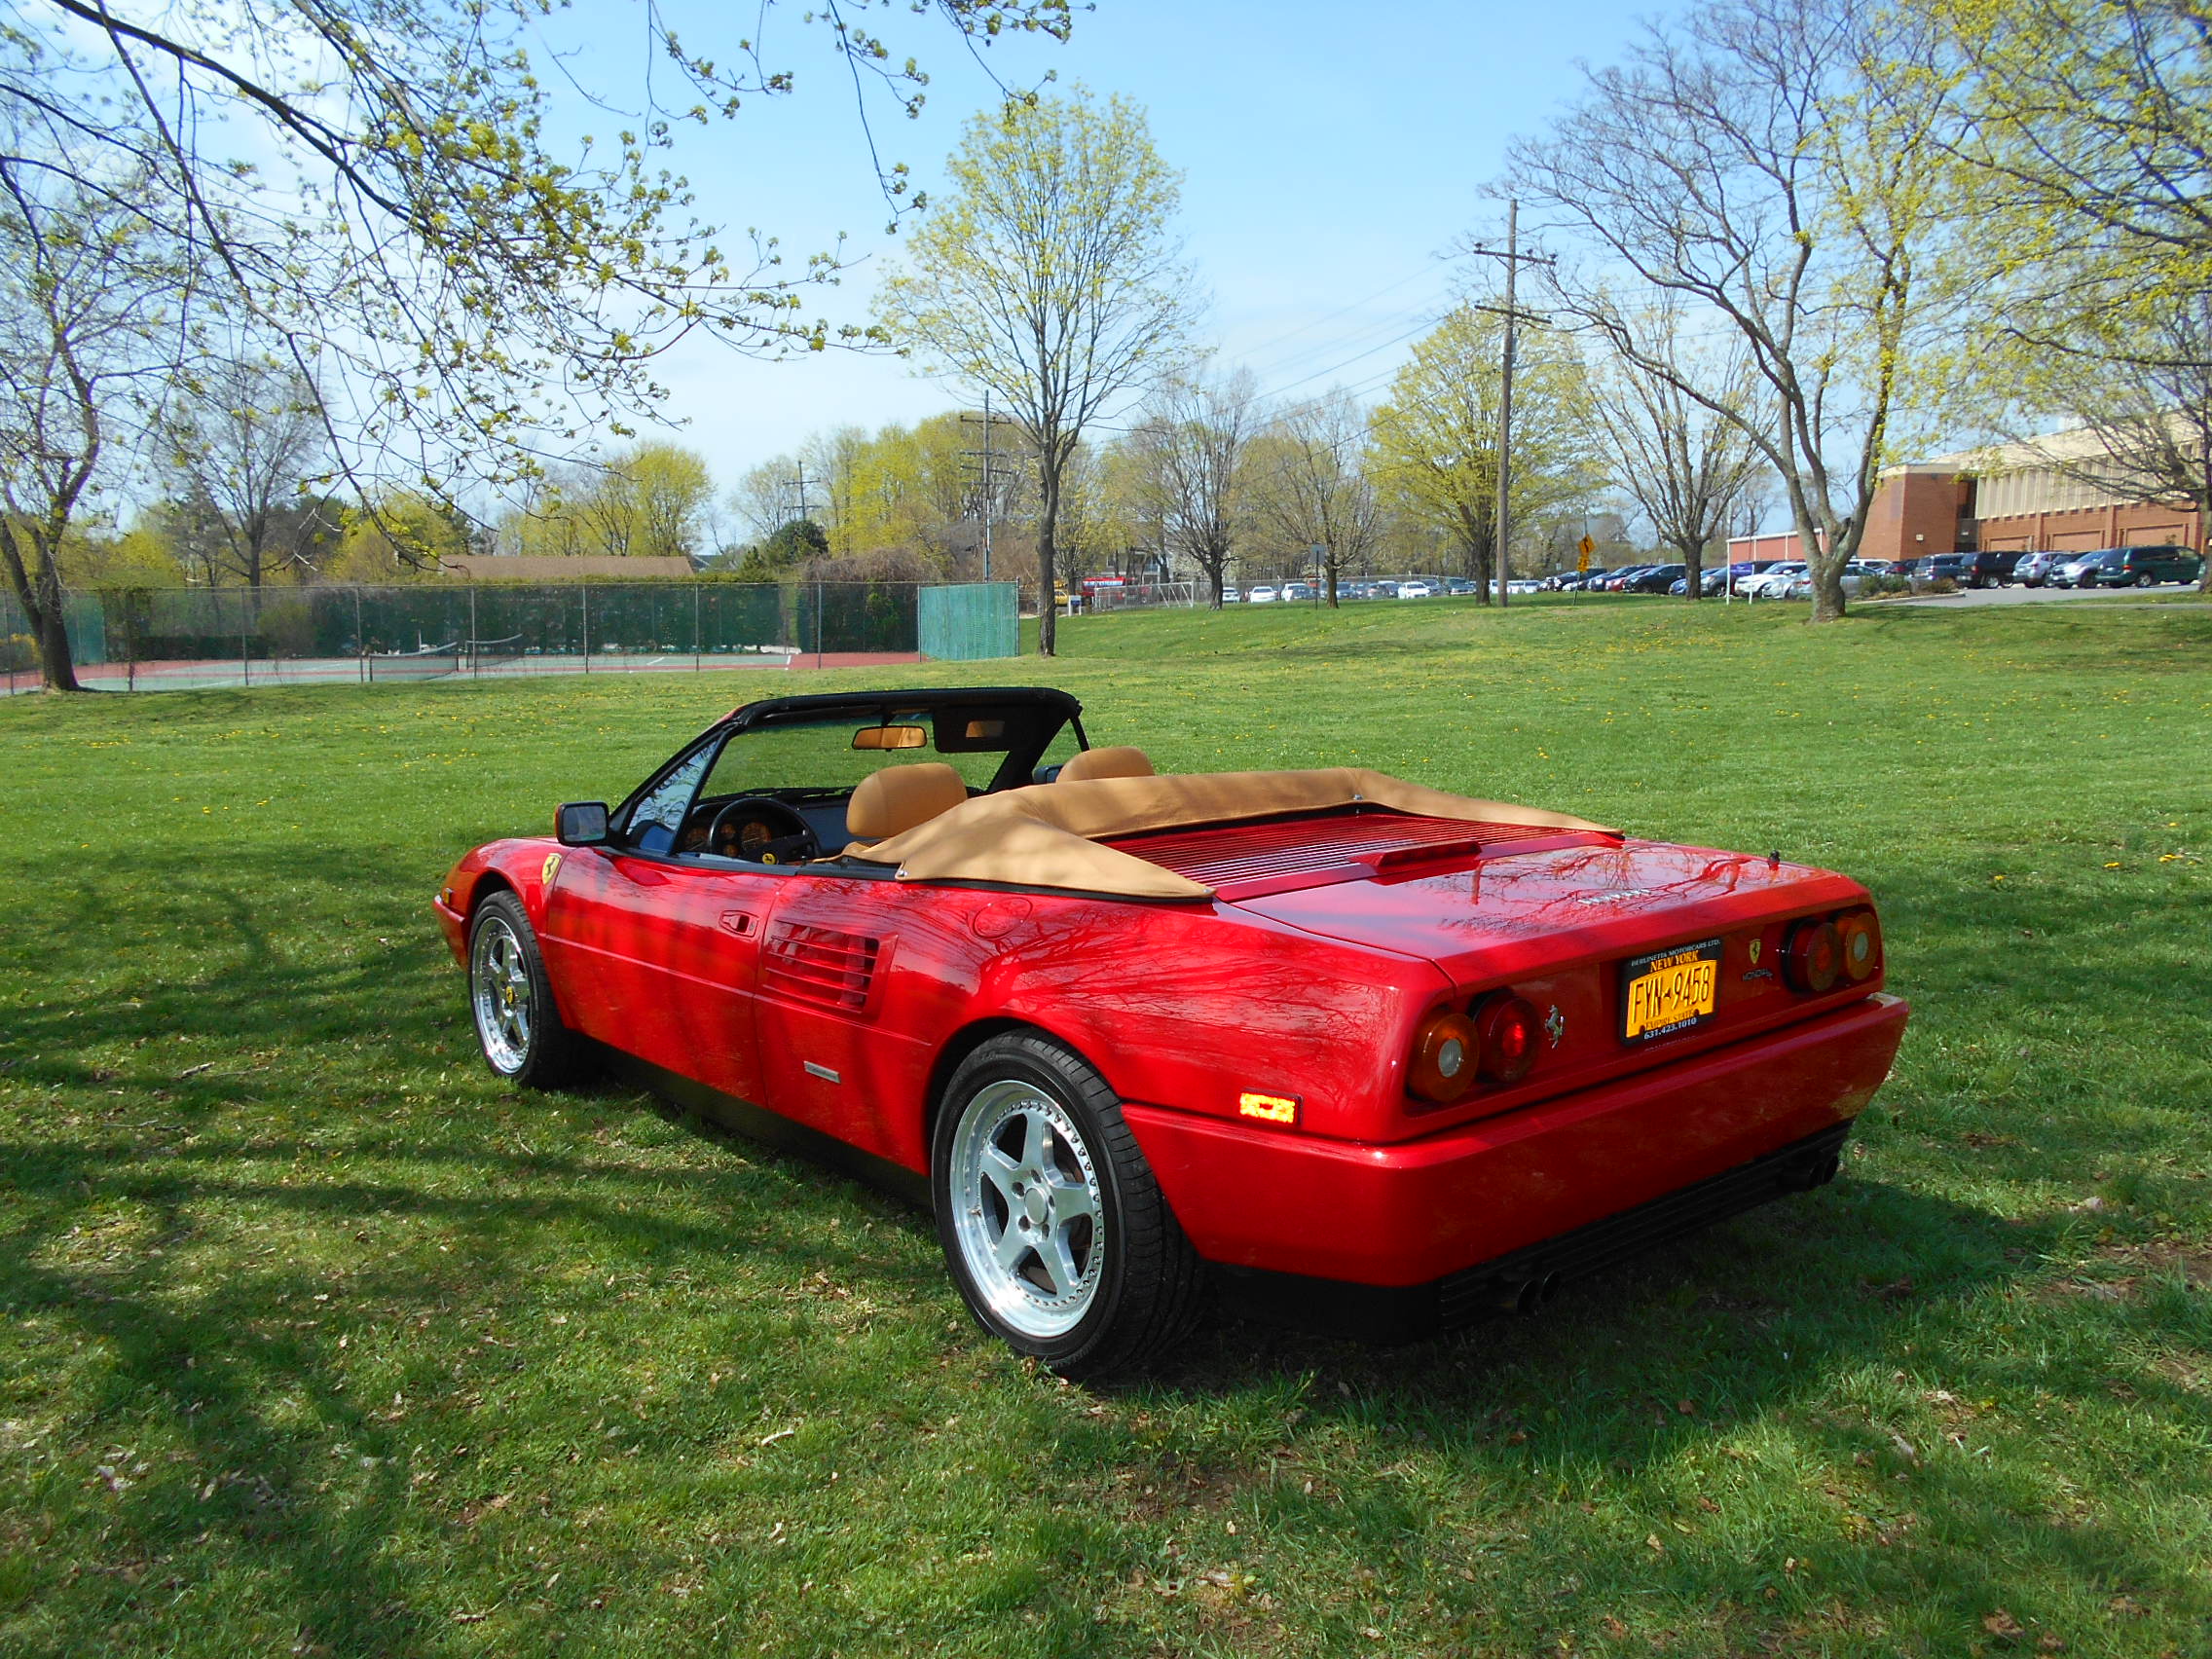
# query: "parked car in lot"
(2067, 572)
(1326, 1042)
(1939, 567)
(1655, 579)
(1773, 581)
(1297, 590)
(1264, 594)
(1231, 595)
(1852, 579)
(2139, 567)
(1460, 587)
(1614, 581)
(2034, 568)
(1987, 569)
(1747, 570)
(1415, 590)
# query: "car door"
(656, 950)
(670, 948)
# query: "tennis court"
(150, 640)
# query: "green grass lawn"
(314, 1339)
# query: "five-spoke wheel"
(516, 1021)
(1053, 1225)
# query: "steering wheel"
(762, 830)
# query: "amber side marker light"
(1861, 937)
(1268, 1108)
(1811, 959)
(1445, 1057)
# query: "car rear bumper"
(1412, 1213)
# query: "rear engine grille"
(819, 965)
(1297, 846)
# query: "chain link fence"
(148, 638)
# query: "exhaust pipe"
(1534, 1293)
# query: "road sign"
(1582, 551)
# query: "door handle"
(738, 922)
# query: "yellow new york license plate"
(1669, 990)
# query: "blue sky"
(1330, 155)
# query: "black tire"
(510, 1001)
(1138, 1285)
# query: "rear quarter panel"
(1184, 1005)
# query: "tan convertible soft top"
(1048, 835)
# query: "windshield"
(818, 758)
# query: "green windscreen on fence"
(964, 622)
(143, 639)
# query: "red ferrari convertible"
(1328, 1043)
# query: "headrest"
(895, 800)
(1118, 763)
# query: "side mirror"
(580, 824)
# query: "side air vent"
(819, 965)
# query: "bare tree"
(1685, 463)
(1190, 454)
(2144, 394)
(1318, 492)
(244, 445)
(1050, 277)
(90, 302)
(1744, 163)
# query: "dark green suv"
(2141, 566)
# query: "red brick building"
(2012, 498)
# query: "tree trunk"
(40, 596)
(1048, 459)
(56, 668)
(1693, 567)
(1328, 570)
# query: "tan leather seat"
(895, 800)
(1120, 761)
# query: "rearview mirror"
(890, 737)
(580, 824)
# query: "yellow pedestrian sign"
(1582, 551)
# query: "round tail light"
(1507, 1030)
(1861, 937)
(1813, 958)
(1444, 1057)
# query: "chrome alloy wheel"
(499, 982)
(1028, 1216)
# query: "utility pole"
(990, 479)
(1514, 258)
(806, 508)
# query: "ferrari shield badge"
(552, 869)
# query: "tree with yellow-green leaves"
(1050, 277)
(1435, 435)
(651, 500)
(2082, 141)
